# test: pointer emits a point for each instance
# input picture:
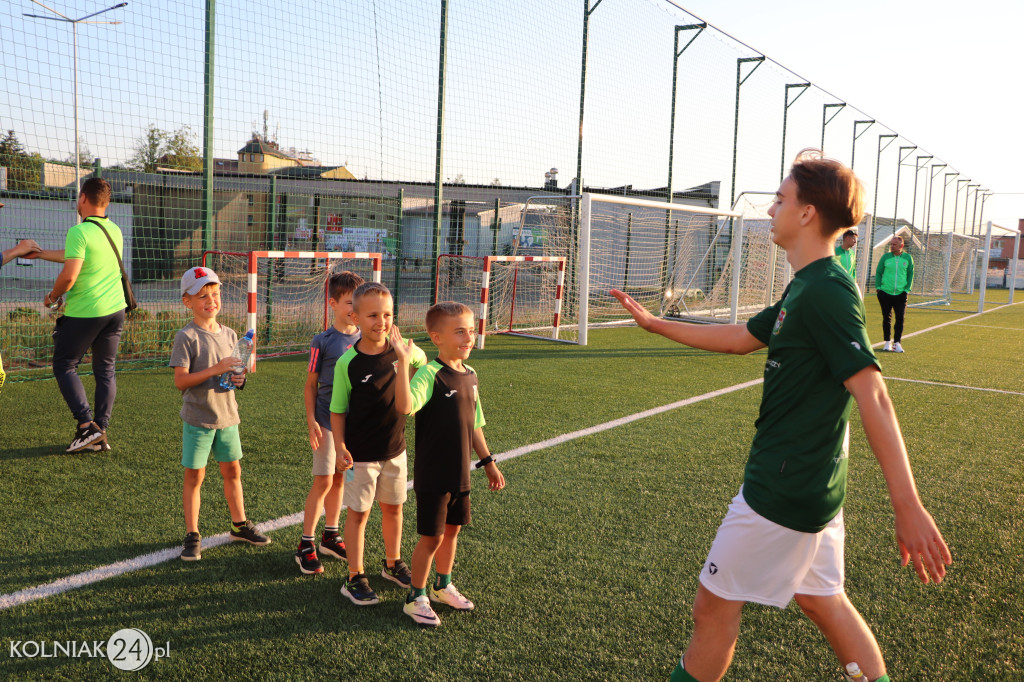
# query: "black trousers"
(892, 304)
(72, 337)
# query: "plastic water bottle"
(854, 674)
(242, 351)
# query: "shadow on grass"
(50, 450)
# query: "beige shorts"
(754, 559)
(325, 457)
(382, 481)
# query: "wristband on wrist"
(489, 459)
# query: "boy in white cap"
(201, 354)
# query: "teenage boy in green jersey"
(783, 534)
(449, 427)
(847, 253)
(893, 278)
(369, 431)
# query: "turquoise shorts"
(197, 443)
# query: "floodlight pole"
(442, 67)
(956, 203)
(974, 210)
(867, 123)
(785, 115)
(74, 31)
(208, 90)
(878, 170)
(899, 165)
(917, 174)
(676, 53)
(740, 80)
(929, 197)
(826, 119)
(942, 216)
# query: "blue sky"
(355, 83)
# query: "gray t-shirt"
(207, 405)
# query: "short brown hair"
(341, 283)
(97, 191)
(832, 188)
(444, 310)
(367, 289)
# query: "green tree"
(148, 149)
(23, 169)
(181, 151)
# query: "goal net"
(519, 295)
(282, 294)
(943, 265)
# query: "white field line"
(989, 326)
(146, 560)
(968, 388)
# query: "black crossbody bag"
(126, 286)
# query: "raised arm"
(26, 248)
(403, 350)
(918, 537)
(727, 338)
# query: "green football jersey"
(816, 338)
(97, 292)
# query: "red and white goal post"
(518, 295)
(283, 295)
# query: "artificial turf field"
(583, 568)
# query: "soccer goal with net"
(678, 260)
(520, 295)
(282, 294)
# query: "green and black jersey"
(796, 472)
(447, 407)
(364, 391)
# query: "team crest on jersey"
(778, 322)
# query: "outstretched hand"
(403, 347)
(921, 542)
(28, 248)
(642, 316)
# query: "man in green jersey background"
(846, 252)
(893, 278)
(783, 536)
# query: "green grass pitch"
(583, 568)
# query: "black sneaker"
(358, 590)
(85, 437)
(191, 548)
(333, 545)
(306, 558)
(398, 574)
(248, 533)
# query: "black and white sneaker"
(86, 437)
(248, 533)
(398, 574)
(307, 560)
(191, 548)
(358, 590)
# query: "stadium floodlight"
(785, 115)
(899, 165)
(74, 30)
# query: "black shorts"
(434, 510)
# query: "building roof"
(258, 146)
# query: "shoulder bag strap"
(107, 235)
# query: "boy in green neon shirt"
(783, 537)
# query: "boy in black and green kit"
(449, 428)
(783, 536)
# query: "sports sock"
(680, 675)
(883, 678)
(239, 524)
(415, 592)
(353, 572)
(331, 530)
(443, 581)
(389, 562)
(307, 538)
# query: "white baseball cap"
(195, 279)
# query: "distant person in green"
(93, 313)
(847, 253)
(893, 278)
(783, 537)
